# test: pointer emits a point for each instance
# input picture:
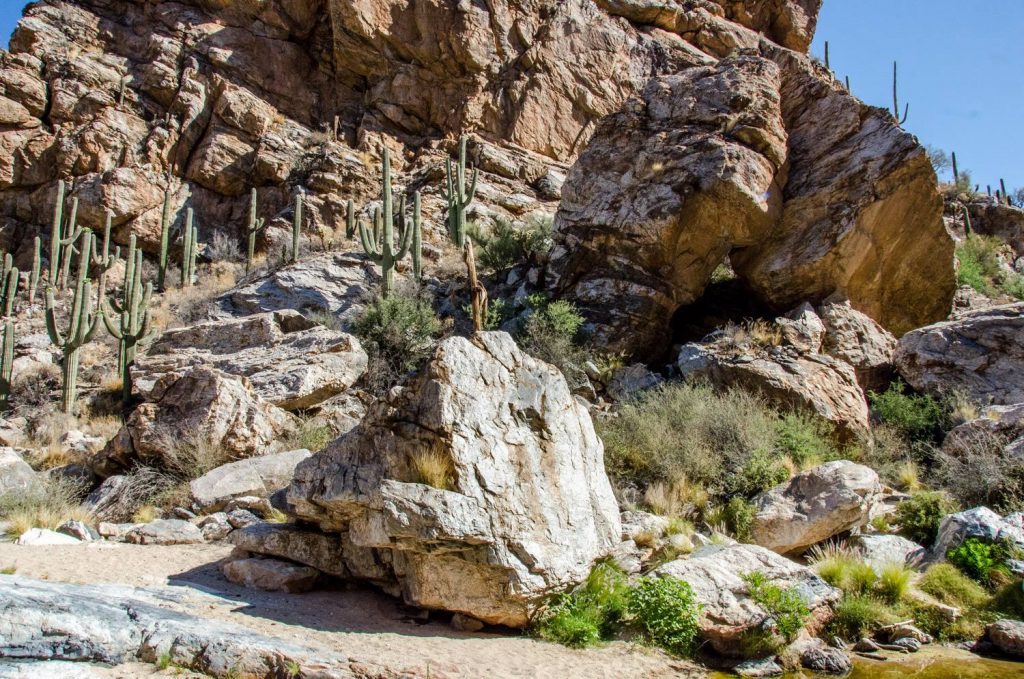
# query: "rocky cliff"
(772, 164)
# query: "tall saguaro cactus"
(380, 244)
(62, 238)
(417, 237)
(189, 248)
(6, 365)
(296, 226)
(82, 325)
(33, 281)
(350, 219)
(134, 318)
(252, 229)
(8, 285)
(165, 238)
(458, 196)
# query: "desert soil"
(361, 622)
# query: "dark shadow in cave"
(725, 300)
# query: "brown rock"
(855, 338)
(271, 575)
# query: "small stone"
(215, 526)
(40, 537)
(165, 532)
(241, 518)
(271, 575)
(764, 667)
(115, 531)
(79, 530)
(465, 623)
(910, 644)
(825, 659)
(260, 506)
(183, 514)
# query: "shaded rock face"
(15, 473)
(998, 427)
(815, 505)
(666, 190)
(290, 361)
(979, 353)
(526, 506)
(716, 575)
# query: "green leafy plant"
(588, 613)
(918, 417)
(761, 472)
(550, 332)
(919, 517)
(981, 268)
(739, 517)
(667, 611)
(857, 614)
(974, 558)
(785, 605)
(398, 333)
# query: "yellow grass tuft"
(433, 469)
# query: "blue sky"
(961, 70)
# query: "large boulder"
(1007, 636)
(15, 473)
(320, 550)
(993, 218)
(815, 505)
(979, 354)
(980, 523)
(481, 481)
(290, 361)
(855, 338)
(165, 532)
(997, 427)
(880, 551)
(256, 476)
(716, 574)
(272, 575)
(202, 406)
(814, 383)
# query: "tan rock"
(271, 575)
(856, 339)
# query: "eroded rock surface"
(519, 506)
(257, 476)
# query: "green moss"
(947, 584)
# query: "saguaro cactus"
(896, 101)
(165, 238)
(33, 281)
(8, 285)
(252, 229)
(379, 245)
(6, 365)
(417, 238)
(296, 226)
(350, 219)
(82, 325)
(101, 258)
(189, 249)
(458, 196)
(134, 317)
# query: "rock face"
(637, 233)
(290, 361)
(53, 621)
(520, 504)
(998, 219)
(998, 426)
(882, 550)
(856, 339)
(15, 473)
(258, 476)
(321, 551)
(980, 353)
(815, 505)
(716, 575)
(815, 383)
(1007, 636)
(201, 406)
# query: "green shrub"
(588, 613)
(1009, 600)
(981, 268)
(398, 333)
(667, 611)
(918, 417)
(505, 246)
(857, 615)
(550, 332)
(498, 311)
(739, 518)
(805, 440)
(785, 606)
(946, 583)
(894, 582)
(974, 558)
(919, 517)
(761, 472)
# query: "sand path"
(364, 624)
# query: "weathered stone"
(290, 361)
(255, 476)
(979, 354)
(803, 329)
(260, 506)
(811, 382)
(79, 530)
(241, 518)
(103, 502)
(815, 505)
(165, 532)
(41, 536)
(856, 339)
(763, 667)
(998, 427)
(464, 623)
(635, 523)
(628, 381)
(15, 473)
(115, 531)
(527, 506)
(80, 443)
(981, 523)
(272, 575)
(1007, 636)
(215, 526)
(998, 219)
(882, 550)
(716, 575)
(817, 657)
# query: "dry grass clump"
(757, 332)
(433, 468)
(46, 504)
(35, 389)
(178, 307)
(677, 498)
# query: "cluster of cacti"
(6, 365)
(82, 324)
(63, 236)
(252, 229)
(459, 198)
(896, 101)
(8, 285)
(380, 243)
(189, 250)
(133, 311)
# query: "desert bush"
(738, 516)
(1009, 600)
(667, 612)
(979, 472)
(550, 332)
(856, 615)
(919, 517)
(325, 318)
(33, 390)
(399, 334)
(590, 612)
(804, 439)
(224, 248)
(982, 269)
(48, 503)
(762, 471)
(786, 606)
(917, 417)
(505, 245)
(946, 583)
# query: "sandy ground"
(360, 622)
